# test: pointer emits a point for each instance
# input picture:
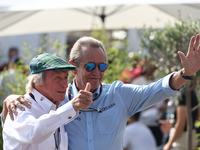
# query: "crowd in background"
(164, 125)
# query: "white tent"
(41, 16)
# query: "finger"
(84, 94)
(10, 114)
(88, 87)
(191, 43)
(86, 99)
(23, 100)
(80, 104)
(13, 109)
(84, 105)
(198, 48)
(20, 106)
(196, 42)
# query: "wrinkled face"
(90, 55)
(55, 84)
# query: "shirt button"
(42, 98)
(69, 117)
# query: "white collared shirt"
(33, 129)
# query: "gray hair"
(34, 79)
(75, 54)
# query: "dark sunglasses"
(91, 66)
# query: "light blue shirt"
(104, 130)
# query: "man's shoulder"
(115, 83)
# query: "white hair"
(75, 54)
(34, 79)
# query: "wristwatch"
(186, 77)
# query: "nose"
(64, 83)
(96, 70)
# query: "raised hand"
(83, 99)
(191, 62)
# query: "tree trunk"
(189, 117)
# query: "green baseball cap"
(46, 61)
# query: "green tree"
(163, 45)
(118, 59)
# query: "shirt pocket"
(108, 120)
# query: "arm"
(190, 62)
(179, 126)
(27, 128)
(165, 126)
(13, 101)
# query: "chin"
(61, 98)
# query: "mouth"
(93, 78)
(61, 92)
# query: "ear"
(72, 63)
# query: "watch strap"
(186, 77)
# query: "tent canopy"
(36, 17)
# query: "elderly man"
(102, 125)
(34, 128)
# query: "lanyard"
(57, 138)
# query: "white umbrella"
(36, 17)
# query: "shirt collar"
(75, 90)
(45, 103)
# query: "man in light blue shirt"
(101, 126)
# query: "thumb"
(182, 56)
(88, 87)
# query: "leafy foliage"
(163, 44)
(117, 57)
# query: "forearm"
(177, 81)
(26, 132)
(36, 130)
(180, 123)
(176, 134)
(4, 112)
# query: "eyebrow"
(57, 72)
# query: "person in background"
(13, 56)
(102, 125)
(11, 73)
(178, 133)
(138, 136)
(34, 129)
(150, 118)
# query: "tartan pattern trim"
(44, 62)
